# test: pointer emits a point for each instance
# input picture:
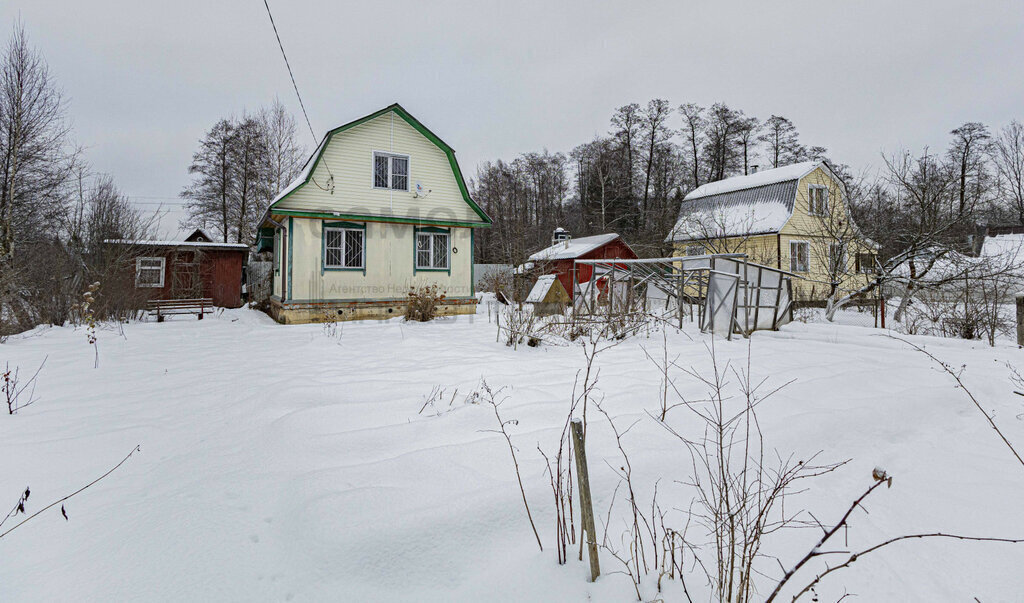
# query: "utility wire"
(290, 74)
(316, 141)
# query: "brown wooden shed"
(190, 269)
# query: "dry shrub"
(423, 303)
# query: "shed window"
(431, 251)
(817, 200)
(149, 272)
(343, 247)
(695, 250)
(390, 171)
(799, 256)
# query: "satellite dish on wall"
(418, 190)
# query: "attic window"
(817, 200)
(390, 171)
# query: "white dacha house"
(379, 209)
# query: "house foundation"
(301, 312)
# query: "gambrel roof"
(755, 204)
(310, 168)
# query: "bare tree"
(653, 127)
(36, 158)
(285, 156)
(209, 195)
(693, 133)
(782, 143)
(1008, 156)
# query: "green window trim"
(415, 248)
(324, 225)
(265, 240)
(289, 235)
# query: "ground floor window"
(149, 272)
(694, 250)
(866, 263)
(799, 256)
(344, 247)
(432, 250)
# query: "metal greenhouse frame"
(731, 294)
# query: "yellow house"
(380, 208)
(794, 218)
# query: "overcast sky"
(145, 80)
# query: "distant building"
(793, 217)
(193, 268)
(560, 258)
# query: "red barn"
(560, 258)
(191, 269)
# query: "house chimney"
(753, 169)
(559, 236)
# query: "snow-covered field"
(291, 463)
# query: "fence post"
(586, 504)
(1020, 319)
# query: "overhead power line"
(290, 74)
(316, 141)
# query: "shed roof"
(547, 289)
(154, 243)
(573, 248)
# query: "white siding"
(349, 157)
(389, 265)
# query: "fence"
(259, 281)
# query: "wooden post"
(1020, 319)
(586, 504)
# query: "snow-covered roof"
(760, 210)
(304, 174)
(540, 288)
(573, 248)
(1004, 245)
(176, 243)
(785, 173)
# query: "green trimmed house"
(380, 208)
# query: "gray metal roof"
(758, 210)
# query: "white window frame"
(344, 244)
(391, 170)
(811, 206)
(794, 256)
(695, 250)
(447, 254)
(139, 269)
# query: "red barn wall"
(220, 273)
(616, 249)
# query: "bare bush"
(495, 399)
(18, 394)
(423, 303)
